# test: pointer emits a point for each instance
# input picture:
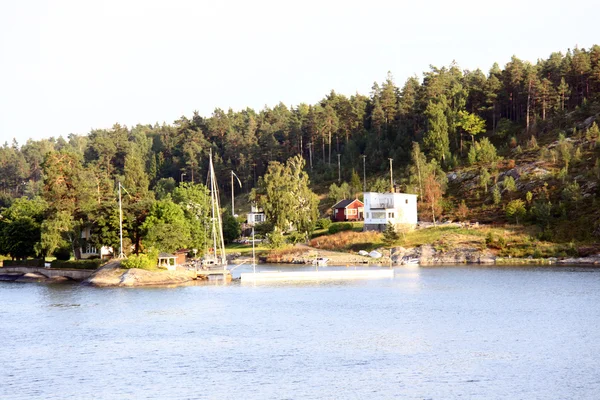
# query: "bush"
(62, 253)
(76, 264)
(339, 227)
(296, 237)
(516, 210)
(141, 261)
(323, 223)
(24, 263)
(389, 234)
(275, 240)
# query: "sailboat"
(215, 257)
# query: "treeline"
(442, 112)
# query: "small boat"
(375, 254)
(320, 261)
(409, 261)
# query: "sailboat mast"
(216, 216)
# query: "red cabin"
(348, 210)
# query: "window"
(406, 201)
(379, 215)
(351, 211)
(391, 215)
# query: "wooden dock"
(213, 273)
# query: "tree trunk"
(433, 210)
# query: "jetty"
(213, 273)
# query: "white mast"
(121, 254)
(217, 224)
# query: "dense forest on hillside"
(480, 125)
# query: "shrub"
(497, 195)
(509, 184)
(275, 240)
(24, 263)
(141, 261)
(295, 237)
(339, 227)
(463, 211)
(389, 234)
(62, 253)
(323, 223)
(76, 264)
(515, 209)
(532, 143)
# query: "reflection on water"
(427, 333)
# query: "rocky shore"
(112, 275)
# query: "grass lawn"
(245, 249)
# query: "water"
(429, 333)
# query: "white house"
(382, 208)
(255, 216)
(87, 250)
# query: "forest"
(448, 121)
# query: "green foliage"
(389, 234)
(141, 261)
(263, 228)
(436, 139)
(231, 227)
(284, 194)
(572, 192)
(515, 210)
(471, 123)
(62, 253)
(484, 178)
(509, 184)
(339, 227)
(529, 197)
(323, 223)
(295, 237)
(164, 187)
(497, 195)
(76, 264)
(495, 242)
(338, 193)
(482, 152)
(355, 183)
(20, 227)
(275, 239)
(381, 185)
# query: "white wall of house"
(397, 208)
(254, 218)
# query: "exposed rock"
(140, 277)
(581, 260)
(461, 255)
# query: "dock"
(216, 273)
(316, 275)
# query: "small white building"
(400, 209)
(88, 250)
(255, 216)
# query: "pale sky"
(68, 66)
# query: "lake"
(428, 333)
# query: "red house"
(348, 210)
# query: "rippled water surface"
(428, 333)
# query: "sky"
(69, 66)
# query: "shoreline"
(112, 275)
